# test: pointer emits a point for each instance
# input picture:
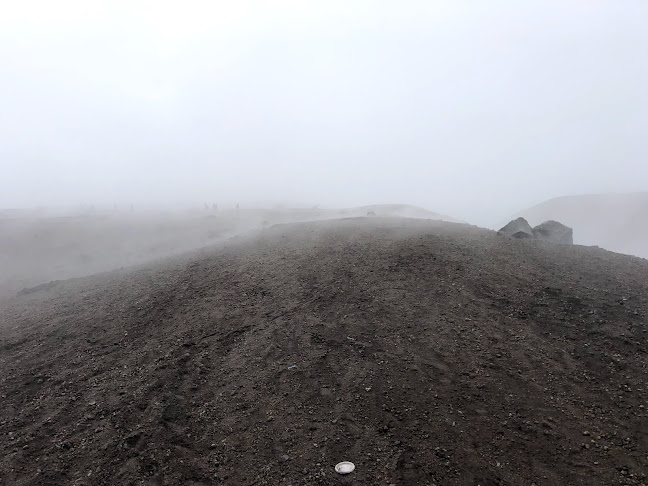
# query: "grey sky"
(472, 108)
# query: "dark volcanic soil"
(426, 353)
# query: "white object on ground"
(344, 467)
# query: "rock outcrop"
(548, 231)
(518, 228)
(555, 232)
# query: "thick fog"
(472, 109)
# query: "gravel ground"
(426, 353)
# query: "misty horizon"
(474, 112)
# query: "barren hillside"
(37, 247)
(616, 222)
(427, 353)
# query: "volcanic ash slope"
(424, 352)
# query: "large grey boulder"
(555, 232)
(518, 228)
(548, 231)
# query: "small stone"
(586, 433)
